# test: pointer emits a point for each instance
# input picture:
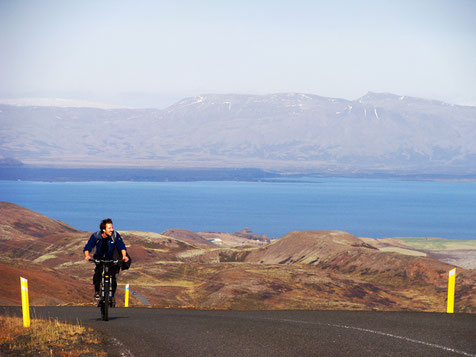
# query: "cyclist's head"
(102, 226)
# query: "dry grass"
(414, 253)
(47, 338)
(437, 243)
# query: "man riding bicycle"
(105, 242)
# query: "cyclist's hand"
(126, 258)
(87, 258)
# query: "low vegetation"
(302, 270)
(47, 338)
(437, 243)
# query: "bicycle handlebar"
(98, 261)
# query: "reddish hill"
(302, 270)
(348, 254)
(20, 222)
(307, 247)
(189, 237)
(28, 236)
(46, 286)
(248, 234)
(245, 237)
(147, 247)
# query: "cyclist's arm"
(89, 247)
(124, 256)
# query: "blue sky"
(152, 53)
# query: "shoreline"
(56, 174)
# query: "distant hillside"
(303, 270)
(188, 236)
(436, 243)
(461, 253)
(379, 132)
(346, 253)
(28, 173)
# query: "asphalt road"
(166, 332)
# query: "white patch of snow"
(376, 114)
(294, 105)
(192, 101)
(199, 100)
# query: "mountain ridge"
(379, 132)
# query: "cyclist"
(106, 242)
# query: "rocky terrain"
(461, 253)
(379, 132)
(179, 268)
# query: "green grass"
(426, 243)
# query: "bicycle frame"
(106, 286)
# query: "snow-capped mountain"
(377, 132)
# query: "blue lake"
(364, 207)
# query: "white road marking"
(449, 349)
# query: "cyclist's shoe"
(97, 296)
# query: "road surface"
(167, 332)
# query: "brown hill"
(232, 240)
(147, 247)
(21, 222)
(189, 237)
(348, 254)
(46, 286)
(457, 252)
(307, 247)
(302, 270)
(248, 234)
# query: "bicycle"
(105, 301)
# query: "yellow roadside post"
(24, 302)
(451, 291)
(126, 304)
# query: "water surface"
(364, 207)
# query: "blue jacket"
(96, 241)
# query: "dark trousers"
(98, 276)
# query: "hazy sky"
(151, 53)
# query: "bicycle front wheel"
(105, 308)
